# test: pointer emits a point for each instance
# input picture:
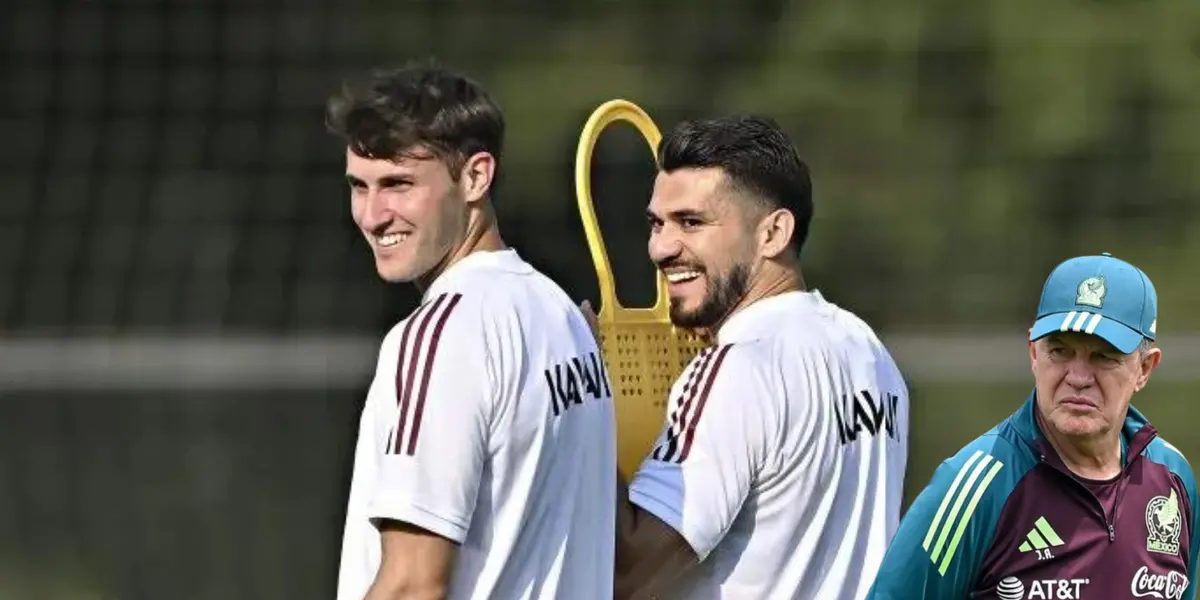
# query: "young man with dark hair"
(475, 474)
(779, 470)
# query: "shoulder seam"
(681, 425)
(1016, 447)
(422, 334)
(1172, 448)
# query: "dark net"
(164, 171)
(166, 168)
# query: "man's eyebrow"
(1102, 347)
(383, 180)
(394, 178)
(675, 215)
(687, 213)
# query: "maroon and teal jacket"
(1005, 519)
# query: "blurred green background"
(188, 320)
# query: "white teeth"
(391, 239)
(681, 276)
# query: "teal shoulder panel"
(943, 538)
(1162, 452)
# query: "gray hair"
(1144, 348)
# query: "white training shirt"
(782, 460)
(490, 422)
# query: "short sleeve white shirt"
(783, 455)
(490, 422)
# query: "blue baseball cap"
(1098, 295)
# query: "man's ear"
(477, 174)
(775, 232)
(1148, 365)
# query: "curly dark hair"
(754, 153)
(420, 107)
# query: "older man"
(1074, 496)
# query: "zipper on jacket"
(1109, 522)
(1129, 457)
(1122, 483)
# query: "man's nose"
(373, 210)
(1080, 373)
(664, 246)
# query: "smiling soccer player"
(779, 470)
(475, 475)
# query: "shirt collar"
(750, 321)
(506, 260)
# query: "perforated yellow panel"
(643, 360)
(643, 352)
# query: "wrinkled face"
(702, 238)
(1084, 384)
(410, 211)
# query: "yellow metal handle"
(607, 114)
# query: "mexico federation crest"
(1163, 524)
(1091, 292)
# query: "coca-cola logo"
(1167, 586)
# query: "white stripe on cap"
(1081, 321)
(1066, 324)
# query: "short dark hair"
(754, 153)
(391, 112)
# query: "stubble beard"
(725, 292)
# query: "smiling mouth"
(391, 239)
(682, 276)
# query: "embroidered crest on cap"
(1091, 292)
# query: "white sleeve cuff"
(400, 509)
(646, 493)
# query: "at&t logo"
(1011, 588)
(1167, 586)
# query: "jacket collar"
(1136, 433)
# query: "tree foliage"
(960, 150)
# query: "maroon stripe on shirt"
(416, 316)
(682, 413)
(404, 373)
(419, 411)
(667, 448)
(695, 418)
